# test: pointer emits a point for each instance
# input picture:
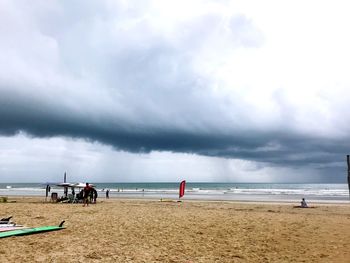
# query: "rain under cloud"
(232, 91)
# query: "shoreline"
(241, 192)
(243, 199)
(290, 203)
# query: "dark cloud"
(112, 75)
(277, 148)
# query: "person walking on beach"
(86, 191)
(107, 193)
(94, 195)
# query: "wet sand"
(118, 230)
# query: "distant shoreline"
(208, 200)
(292, 193)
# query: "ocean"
(200, 191)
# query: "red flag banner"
(182, 188)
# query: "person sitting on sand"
(87, 190)
(303, 203)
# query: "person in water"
(87, 190)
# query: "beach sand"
(117, 230)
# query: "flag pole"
(348, 161)
(65, 188)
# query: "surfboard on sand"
(5, 220)
(31, 230)
(10, 228)
(7, 225)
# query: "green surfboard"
(30, 231)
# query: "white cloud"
(220, 68)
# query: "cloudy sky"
(119, 91)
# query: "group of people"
(89, 194)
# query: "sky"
(161, 91)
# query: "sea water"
(199, 191)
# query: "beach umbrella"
(348, 160)
(79, 185)
(82, 185)
(65, 184)
(182, 189)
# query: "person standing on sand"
(107, 193)
(94, 194)
(87, 190)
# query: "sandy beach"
(117, 230)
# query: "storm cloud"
(206, 78)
